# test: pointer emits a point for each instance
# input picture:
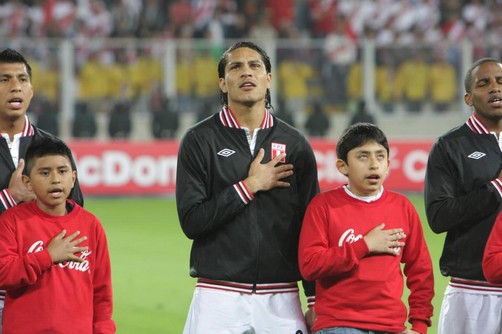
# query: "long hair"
(224, 61)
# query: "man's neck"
(12, 127)
(249, 117)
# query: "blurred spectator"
(94, 20)
(185, 79)
(120, 124)
(151, 19)
(283, 112)
(205, 111)
(46, 113)
(281, 12)
(412, 81)
(322, 14)
(13, 19)
(385, 76)
(204, 67)
(180, 15)
(318, 122)
(442, 83)
(84, 122)
(165, 120)
(263, 28)
(125, 18)
(294, 73)
(340, 50)
(355, 81)
(362, 114)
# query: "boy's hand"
(382, 241)
(63, 249)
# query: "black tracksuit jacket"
(461, 196)
(253, 242)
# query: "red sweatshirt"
(356, 289)
(492, 259)
(46, 298)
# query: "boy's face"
(366, 168)
(51, 179)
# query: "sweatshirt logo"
(278, 149)
(84, 266)
(476, 155)
(349, 236)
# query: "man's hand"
(262, 177)
(310, 318)
(17, 188)
(382, 241)
(63, 249)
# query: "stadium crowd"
(416, 67)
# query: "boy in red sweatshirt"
(54, 260)
(353, 241)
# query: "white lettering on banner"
(89, 170)
(411, 161)
(118, 168)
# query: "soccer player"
(354, 240)
(244, 180)
(54, 261)
(463, 196)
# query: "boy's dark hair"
(224, 60)
(42, 147)
(468, 75)
(357, 135)
(13, 57)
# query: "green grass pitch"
(150, 253)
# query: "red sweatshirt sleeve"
(102, 281)
(17, 271)
(419, 275)
(492, 259)
(317, 259)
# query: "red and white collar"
(28, 129)
(228, 119)
(477, 126)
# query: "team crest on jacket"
(278, 149)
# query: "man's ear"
(342, 167)
(27, 181)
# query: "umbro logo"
(226, 152)
(476, 155)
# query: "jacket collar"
(228, 119)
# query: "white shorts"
(471, 309)
(222, 311)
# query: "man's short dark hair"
(468, 76)
(357, 135)
(12, 56)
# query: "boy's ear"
(27, 181)
(342, 167)
(74, 178)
